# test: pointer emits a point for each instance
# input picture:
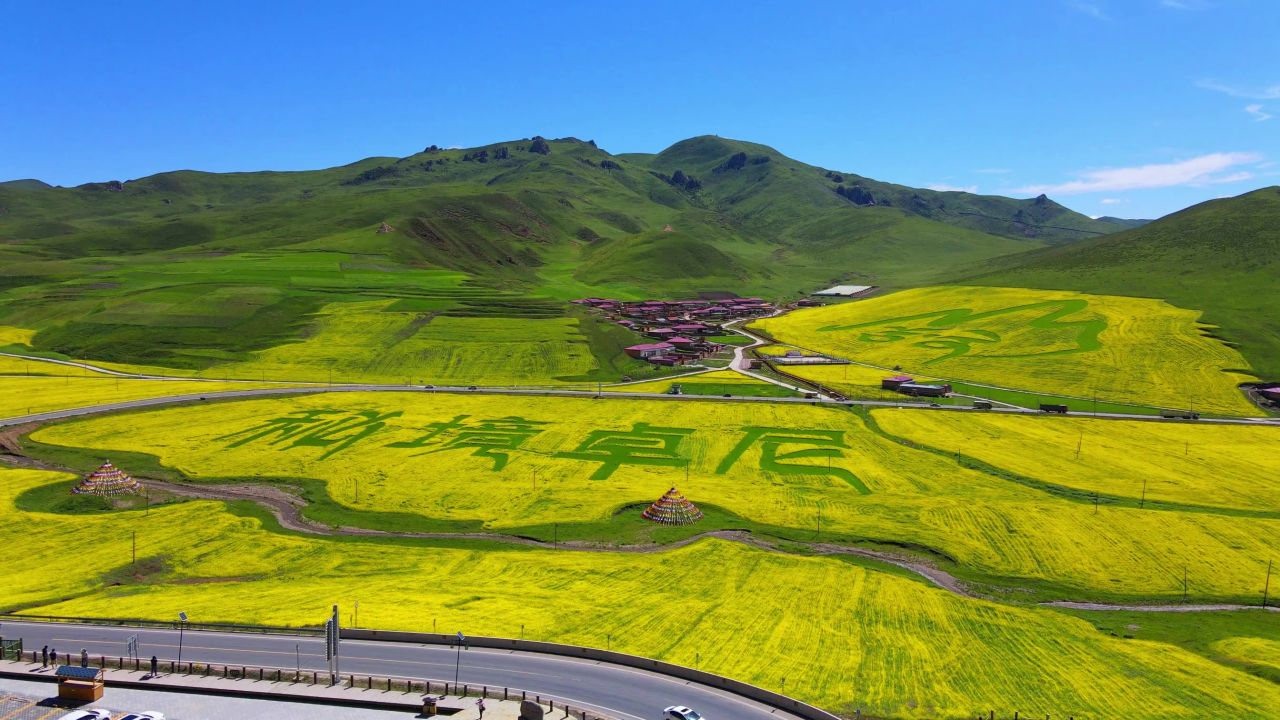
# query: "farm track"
(287, 508)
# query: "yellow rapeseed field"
(1124, 349)
(1220, 466)
(1251, 651)
(508, 462)
(715, 377)
(365, 342)
(821, 629)
(25, 395)
(855, 381)
(10, 335)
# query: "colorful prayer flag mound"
(673, 509)
(107, 480)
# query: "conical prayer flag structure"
(107, 480)
(673, 509)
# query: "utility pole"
(1184, 583)
(1080, 443)
(134, 561)
(1143, 502)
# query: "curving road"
(626, 693)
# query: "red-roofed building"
(683, 342)
(649, 350)
(895, 382)
(661, 333)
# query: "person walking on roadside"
(44, 656)
(53, 656)
(480, 707)
(84, 658)
(155, 666)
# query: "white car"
(148, 715)
(680, 712)
(94, 714)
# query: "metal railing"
(356, 681)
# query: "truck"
(1053, 408)
(1180, 414)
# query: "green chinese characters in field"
(1031, 330)
(498, 438)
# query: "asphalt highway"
(628, 693)
(261, 392)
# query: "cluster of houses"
(678, 329)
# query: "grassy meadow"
(1116, 348)
(825, 630)
(439, 461)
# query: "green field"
(1118, 349)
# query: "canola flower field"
(822, 629)
(1120, 349)
(713, 378)
(26, 395)
(368, 342)
(504, 463)
(1219, 466)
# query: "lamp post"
(182, 626)
(457, 668)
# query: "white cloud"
(1255, 109)
(1093, 10)
(993, 171)
(1185, 4)
(1111, 201)
(1202, 170)
(943, 187)
(1271, 92)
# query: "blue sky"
(1133, 108)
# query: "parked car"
(148, 715)
(680, 712)
(93, 714)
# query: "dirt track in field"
(287, 508)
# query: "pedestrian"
(155, 666)
(44, 656)
(480, 706)
(84, 658)
(53, 656)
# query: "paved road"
(263, 392)
(627, 693)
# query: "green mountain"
(104, 269)
(1222, 256)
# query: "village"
(681, 330)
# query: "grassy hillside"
(1222, 256)
(204, 272)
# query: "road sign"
(461, 638)
(132, 648)
(182, 616)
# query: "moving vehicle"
(1180, 414)
(981, 405)
(680, 712)
(1060, 409)
(148, 715)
